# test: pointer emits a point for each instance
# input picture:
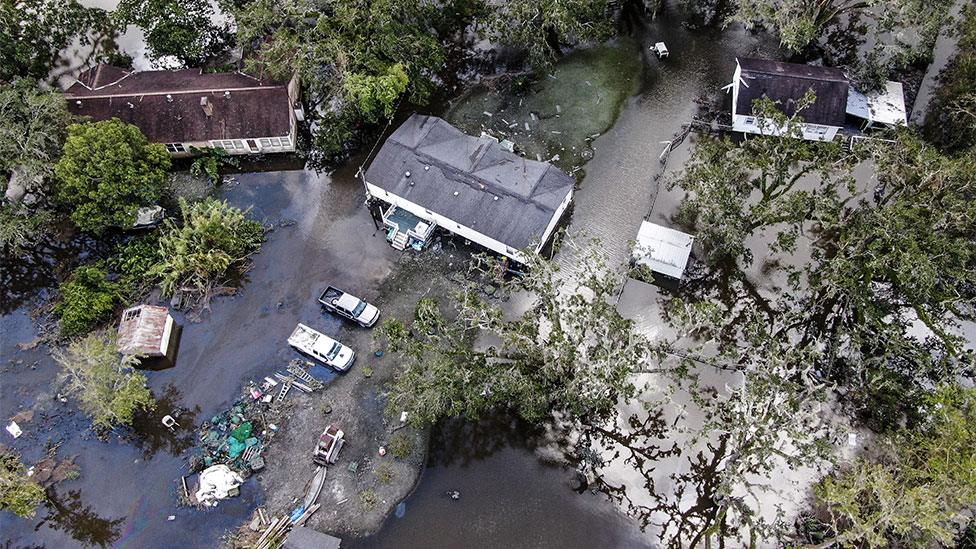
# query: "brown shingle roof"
(788, 82)
(166, 105)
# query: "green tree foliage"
(738, 188)
(34, 33)
(106, 384)
(18, 493)
(87, 298)
(355, 58)
(570, 351)
(134, 262)
(33, 126)
(214, 241)
(541, 27)
(109, 169)
(797, 22)
(183, 29)
(918, 486)
(951, 118)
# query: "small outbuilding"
(147, 331)
(303, 537)
(663, 250)
(884, 107)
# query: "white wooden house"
(786, 83)
(430, 174)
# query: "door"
(252, 145)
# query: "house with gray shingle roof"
(429, 174)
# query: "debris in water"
(171, 518)
(401, 509)
(559, 109)
(486, 113)
(454, 494)
(526, 126)
(14, 429)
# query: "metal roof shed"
(882, 107)
(145, 330)
(663, 250)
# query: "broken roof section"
(166, 105)
(788, 82)
(470, 180)
(663, 250)
(881, 107)
(145, 330)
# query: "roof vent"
(78, 103)
(496, 198)
(131, 106)
(169, 98)
(206, 106)
(426, 168)
(406, 173)
(455, 193)
(226, 95)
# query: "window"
(274, 143)
(175, 148)
(229, 145)
(750, 120)
(816, 130)
(286, 141)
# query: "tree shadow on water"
(68, 514)
(462, 442)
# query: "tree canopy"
(18, 493)
(106, 384)
(107, 172)
(183, 29)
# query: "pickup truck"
(349, 306)
(322, 347)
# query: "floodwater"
(509, 494)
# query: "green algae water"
(554, 117)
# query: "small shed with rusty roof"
(146, 331)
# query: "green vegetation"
(34, 33)
(541, 27)
(87, 298)
(183, 29)
(109, 169)
(368, 498)
(951, 119)
(401, 446)
(33, 126)
(134, 262)
(384, 473)
(106, 384)
(920, 485)
(570, 352)
(18, 493)
(208, 162)
(214, 242)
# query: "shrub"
(135, 261)
(87, 298)
(384, 473)
(18, 493)
(369, 498)
(401, 446)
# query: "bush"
(214, 239)
(134, 262)
(401, 446)
(18, 494)
(368, 498)
(87, 298)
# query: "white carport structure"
(886, 107)
(663, 250)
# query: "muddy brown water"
(509, 496)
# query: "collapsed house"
(189, 109)
(429, 174)
(836, 100)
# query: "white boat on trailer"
(321, 347)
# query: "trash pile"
(233, 441)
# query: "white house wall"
(449, 224)
(748, 124)
(555, 220)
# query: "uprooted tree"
(570, 350)
(106, 384)
(18, 493)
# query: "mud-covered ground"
(355, 502)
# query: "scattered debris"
(30, 344)
(216, 483)
(14, 429)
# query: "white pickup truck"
(322, 347)
(349, 306)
